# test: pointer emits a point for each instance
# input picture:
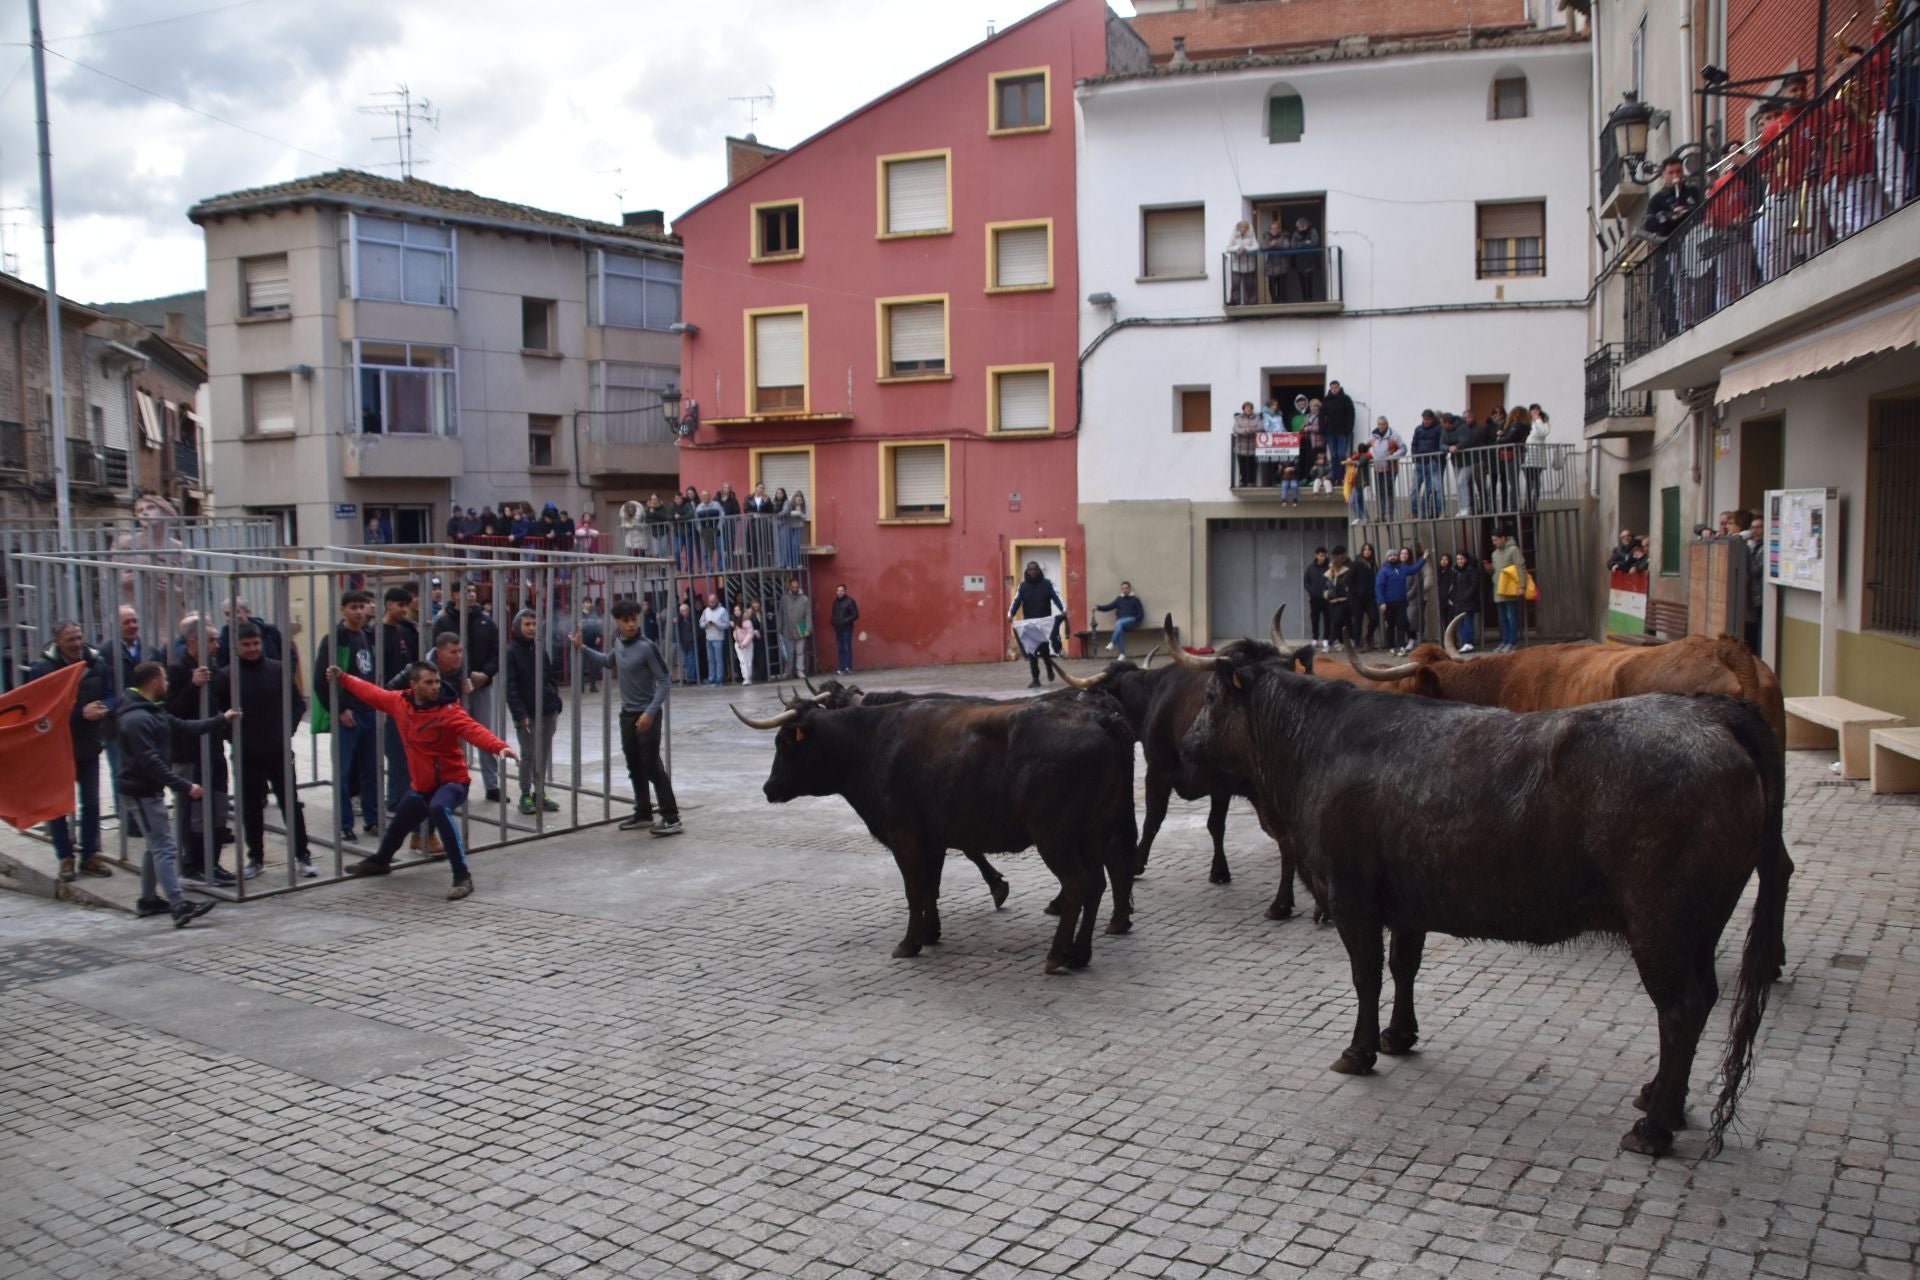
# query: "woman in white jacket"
(1536, 454)
(1244, 256)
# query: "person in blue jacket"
(1127, 612)
(1390, 589)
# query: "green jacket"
(1509, 555)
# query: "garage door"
(1254, 566)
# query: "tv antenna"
(406, 111)
(619, 184)
(753, 101)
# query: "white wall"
(1402, 150)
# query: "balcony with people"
(1278, 263)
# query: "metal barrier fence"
(295, 592)
(1495, 480)
(1282, 277)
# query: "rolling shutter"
(1176, 242)
(917, 336)
(109, 394)
(1512, 221)
(917, 195)
(919, 479)
(786, 471)
(1021, 257)
(1024, 400)
(779, 351)
(272, 403)
(269, 290)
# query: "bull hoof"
(1648, 1139)
(1397, 1044)
(1000, 890)
(1220, 876)
(1640, 1099)
(1322, 917)
(906, 950)
(1079, 960)
(1139, 869)
(1117, 925)
(1354, 1064)
(1056, 965)
(1053, 908)
(1277, 912)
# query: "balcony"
(1283, 282)
(1493, 481)
(627, 443)
(401, 457)
(13, 446)
(1610, 410)
(186, 462)
(1799, 223)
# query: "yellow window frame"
(886, 451)
(993, 401)
(994, 130)
(993, 254)
(752, 314)
(756, 251)
(883, 337)
(880, 193)
(753, 473)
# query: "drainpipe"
(1685, 105)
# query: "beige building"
(388, 349)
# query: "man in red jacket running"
(431, 732)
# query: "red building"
(887, 320)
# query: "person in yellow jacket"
(1509, 588)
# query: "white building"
(385, 349)
(1447, 178)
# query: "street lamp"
(679, 422)
(1630, 124)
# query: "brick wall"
(1768, 37)
(1229, 30)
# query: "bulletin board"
(1797, 537)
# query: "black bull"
(929, 775)
(1640, 818)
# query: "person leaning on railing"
(1536, 453)
(1246, 430)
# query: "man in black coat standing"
(265, 756)
(1336, 420)
(90, 725)
(845, 613)
(193, 694)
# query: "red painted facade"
(909, 578)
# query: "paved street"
(629, 1057)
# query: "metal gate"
(1254, 566)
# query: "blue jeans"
(1357, 502)
(716, 661)
(690, 664)
(1337, 449)
(1509, 621)
(357, 775)
(1289, 491)
(87, 776)
(843, 640)
(159, 868)
(1123, 625)
(437, 811)
(1465, 631)
(1426, 488)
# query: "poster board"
(1797, 536)
(1277, 446)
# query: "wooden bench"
(1895, 761)
(1829, 722)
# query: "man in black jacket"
(846, 612)
(148, 743)
(265, 757)
(1669, 207)
(90, 726)
(1336, 421)
(1035, 598)
(533, 701)
(482, 639)
(350, 648)
(192, 693)
(1316, 586)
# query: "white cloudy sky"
(538, 103)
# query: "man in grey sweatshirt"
(643, 699)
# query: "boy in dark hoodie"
(146, 731)
(265, 754)
(533, 700)
(350, 720)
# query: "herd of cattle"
(1622, 790)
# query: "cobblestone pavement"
(695, 1057)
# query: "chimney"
(176, 330)
(645, 220)
(1179, 58)
(744, 155)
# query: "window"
(398, 261)
(789, 469)
(536, 324)
(1670, 532)
(1020, 398)
(541, 429)
(777, 361)
(913, 481)
(1173, 243)
(912, 337)
(1196, 409)
(268, 290)
(1018, 100)
(401, 526)
(1638, 55)
(1512, 239)
(916, 194)
(628, 398)
(1509, 97)
(1019, 255)
(269, 404)
(640, 293)
(405, 388)
(1893, 517)
(776, 230)
(1286, 115)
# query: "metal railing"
(1605, 399)
(186, 460)
(13, 446)
(1493, 480)
(1281, 277)
(1843, 162)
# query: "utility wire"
(156, 22)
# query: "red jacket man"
(431, 733)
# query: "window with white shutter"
(269, 290)
(913, 195)
(914, 338)
(789, 469)
(1020, 255)
(1022, 399)
(1512, 239)
(270, 403)
(780, 362)
(915, 481)
(1175, 242)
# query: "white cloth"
(1034, 633)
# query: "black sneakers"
(666, 827)
(187, 912)
(147, 908)
(636, 821)
(370, 867)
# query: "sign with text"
(1797, 538)
(345, 510)
(1277, 446)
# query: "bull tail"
(1762, 956)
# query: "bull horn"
(1146, 664)
(1451, 638)
(1279, 637)
(809, 684)
(1399, 671)
(1082, 682)
(1188, 660)
(785, 717)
